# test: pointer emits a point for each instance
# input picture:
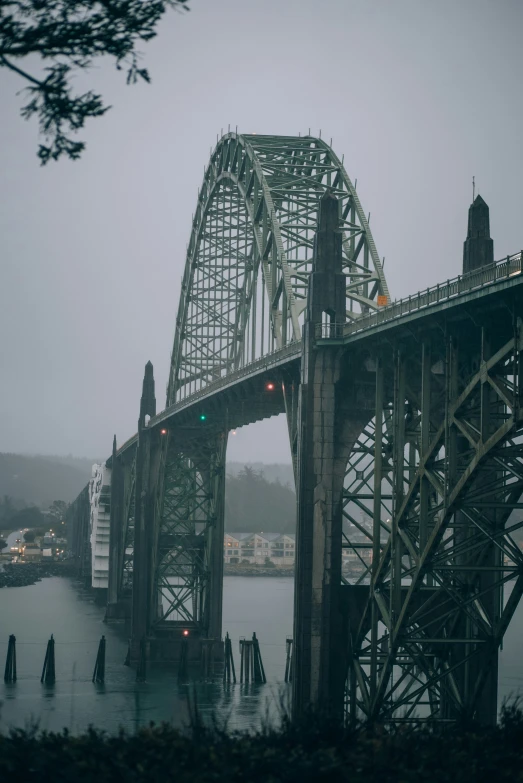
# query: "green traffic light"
(202, 417)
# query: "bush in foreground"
(311, 752)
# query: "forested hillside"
(252, 503)
(276, 471)
(258, 497)
(40, 480)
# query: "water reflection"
(61, 607)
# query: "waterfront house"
(255, 548)
(31, 552)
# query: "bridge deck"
(486, 281)
(483, 283)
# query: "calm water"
(60, 607)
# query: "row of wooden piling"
(251, 664)
(48, 672)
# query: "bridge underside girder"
(431, 510)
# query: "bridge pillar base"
(119, 610)
(166, 648)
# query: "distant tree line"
(254, 504)
(38, 480)
(13, 518)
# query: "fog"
(418, 96)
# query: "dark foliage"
(253, 504)
(29, 536)
(23, 574)
(68, 35)
(308, 753)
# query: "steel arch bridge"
(405, 427)
(250, 255)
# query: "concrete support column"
(320, 641)
(122, 489)
(215, 536)
(146, 481)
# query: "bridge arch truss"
(250, 254)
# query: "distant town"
(30, 547)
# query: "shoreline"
(257, 571)
(26, 574)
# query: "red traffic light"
(269, 386)
(163, 432)
(186, 632)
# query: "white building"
(257, 547)
(283, 548)
(100, 500)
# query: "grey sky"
(417, 95)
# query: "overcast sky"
(418, 95)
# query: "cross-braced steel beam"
(427, 638)
(250, 254)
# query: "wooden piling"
(289, 659)
(207, 657)
(242, 659)
(258, 670)
(229, 672)
(10, 663)
(244, 664)
(48, 672)
(99, 667)
(251, 664)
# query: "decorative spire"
(478, 249)
(148, 400)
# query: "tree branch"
(5, 61)
(69, 35)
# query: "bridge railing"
(261, 364)
(293, 349)
(485, 275)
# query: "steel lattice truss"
(428, 638)
(243, 295)
(358, 502)
(192, 488)
(250, 254)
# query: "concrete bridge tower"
(478, 248)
